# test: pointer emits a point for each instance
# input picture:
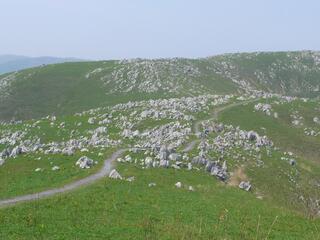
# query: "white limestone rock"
(245, 186)
(85, 162)
(55, 168)
(115, 175)
(130, 179)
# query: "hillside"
(66, 88)
(205, 167)
(203, 148)
(70, 87)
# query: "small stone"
(55, 168)
(91, 120)
(130, 179)
(292, 162)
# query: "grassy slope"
(124, 210)
(64, 89)
(53, 89)
(288, 73)
(280, 130)
(272, 180)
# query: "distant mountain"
(11, 63)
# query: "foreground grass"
(114, 209)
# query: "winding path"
(107, 166)
(104, 171)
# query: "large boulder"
(17, 151)
(67, 151)
(115, 175)
(219, 171)
(85, 162)
(164, 163)
(245, 186)
(174, 156)
(5, 153)
(252, 136)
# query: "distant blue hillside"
(11, 63)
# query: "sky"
(106, 29)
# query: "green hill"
(70, 87)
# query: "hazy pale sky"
(105, 29)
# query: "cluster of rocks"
(215, 168)
(266, 108)
(129, 115)
(123, 116)
(297, 120)
(5, 83)
(311, 132)
(161, 156)
(173, 134)
(156, 108)
(234, 137)
(160, 152)
(16, 145)
(316, 120)
(10, 138)
(20, 142)
(148, 76)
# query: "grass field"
(131, 210)
(115, 209)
